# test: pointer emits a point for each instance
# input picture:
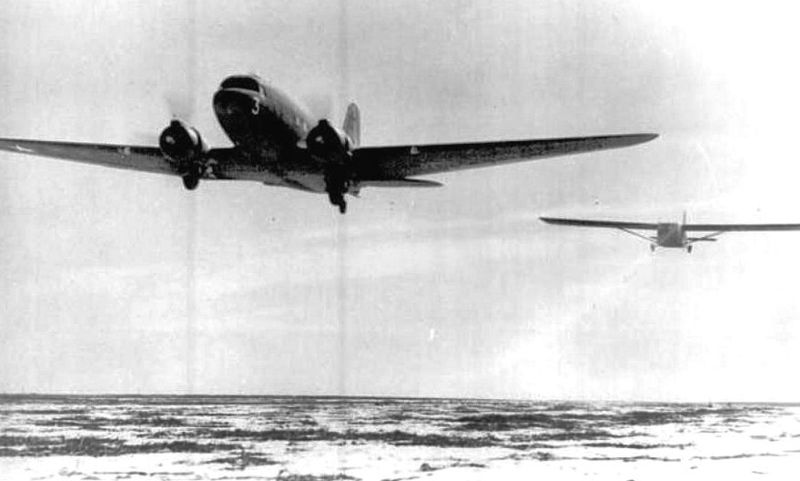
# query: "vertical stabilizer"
(684, 218)
(352, 124)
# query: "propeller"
(180, 104)
(319, 105)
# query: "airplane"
(275, 142)
(672, 234)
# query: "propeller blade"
(320, 106)
(180, 104)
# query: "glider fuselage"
(671, 234)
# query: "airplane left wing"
(375, 163)
(130, 157)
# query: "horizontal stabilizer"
(401, 183)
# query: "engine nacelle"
(181, 142)
(328, 142)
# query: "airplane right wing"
(599, 223)
(740, 227)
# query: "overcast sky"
(458, 291)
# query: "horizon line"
(377, 397)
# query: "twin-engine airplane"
(276, 143)
(672, 234)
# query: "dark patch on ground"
(630, 459)
(636, 445)
(243, 459)
(96, 423)
(97, 446)
(467, 464)
(505, 422)
(286, 476)
(44, 412)
(564, 407)
(397, 438)
(738, 456)
(402, 438)
(537, 455)
(569, 421)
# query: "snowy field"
(309, 439)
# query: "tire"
(191, 181)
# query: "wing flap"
(599, 223)
(412, 160)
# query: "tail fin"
(684, 218)
(352, 124)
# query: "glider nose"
(235, 101)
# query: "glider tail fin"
(352, 124)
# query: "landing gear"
(652, 247)
(191, 181)
(192, 175)
(337, 185)
(689, 249)
(337, 199)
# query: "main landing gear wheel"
(689, 249)
(652, 248)
(337, 199)
(337, 185)
(191, 181)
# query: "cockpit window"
(245, 83)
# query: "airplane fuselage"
(267, 128)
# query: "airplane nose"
(236, 102)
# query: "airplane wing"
(370, 163)
(375, 163)
(131, 157)
(740, 227)
(599, 223)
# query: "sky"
(122, 282)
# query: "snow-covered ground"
(216, 438)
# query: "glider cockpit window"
(244, 83)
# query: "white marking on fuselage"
(24, 149)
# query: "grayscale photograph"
(399, 240)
